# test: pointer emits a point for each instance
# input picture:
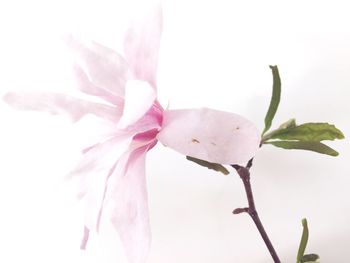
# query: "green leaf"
(309, 258)
(310, 132)
(303, 241)
(286, 125)
(275, 99)
(309, 146)
(212, 166)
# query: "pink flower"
(113, 185)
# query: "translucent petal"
(139, 98)
(125, 202)
(104, 68)
(85, 85)
(128, 206)
(141, 46)
(92, 172)
(211, 135)
(112, 187)
(55, 103)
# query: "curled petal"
(55, 103)
(141, 46)
(152, 120)
(105, 68)
(139, 98)
(211, 135)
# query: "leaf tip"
(334, 154)
(304, 222)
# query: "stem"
(244, 173)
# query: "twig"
(244, 173)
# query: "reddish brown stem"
(244, 173)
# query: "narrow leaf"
(309, 146)
(275, 99)
(303, 241)
(310, 258)
(311, 132)
(212, 166)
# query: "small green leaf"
(303, 241)
(300, 145)
(310, 258)
(213, 166)
(310, 132)
(286, 125)
(275, 99)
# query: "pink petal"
(111, 181)
(141, 46)
(55, 103)
(139, 98)
(126, 203)
(84, 84)
(92, 173)
(211, 135)
(150, 121)
(105, 68)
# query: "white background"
(213, 54)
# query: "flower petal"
(92, 173)
(139, 98)
(127, 206)
(152, 120)
(111, 183)
(125, 203)
(105, 68)
(211, 135)
(85, 85)
(55, 103)
(141, 46)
